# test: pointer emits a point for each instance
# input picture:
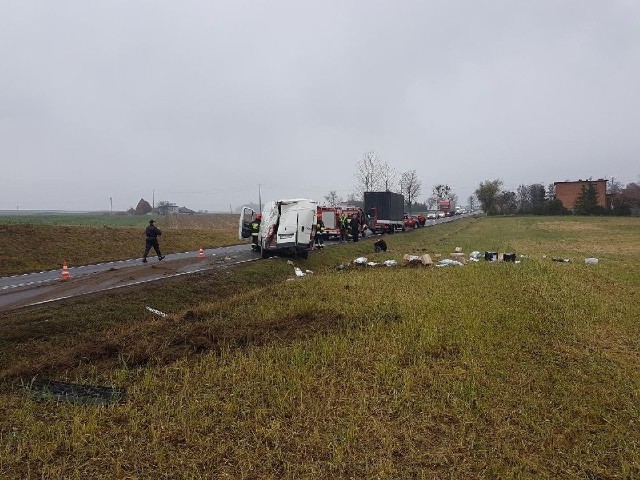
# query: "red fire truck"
(331, 219)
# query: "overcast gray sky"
(202, 101)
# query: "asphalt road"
(42, 287)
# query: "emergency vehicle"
(287, 228)
(331, 219)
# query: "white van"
(287, 228)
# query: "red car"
(411, 221)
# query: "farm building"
(568, 192)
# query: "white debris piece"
(157, 312)
(446, 262)
(361, 261)
(299, 273)
(308, 271)
(475, 255)
(390, 263)
(591, 261)
(372, 264)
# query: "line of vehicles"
(289, 226)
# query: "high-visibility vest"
(255, 229)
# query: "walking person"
(151, 241)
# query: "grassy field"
(491, 370)
(44, 242)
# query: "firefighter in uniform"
(319, 233)
(343, 228)
(255, 230)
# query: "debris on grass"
(491, 256)
(447, 262)
(361, 261)
(562, 260)
(418, 259)
(42, 389)
(591, 261)
(458, 256)
(509, 257)
(156, 312)
(390, 263)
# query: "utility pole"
(259, 199)
(153, 200)
(111, 205)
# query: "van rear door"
(288, 225)
(307, 215)
(244, 223)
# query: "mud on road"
(118, 276)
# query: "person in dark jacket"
(355, 227)
(151, 240)
(380, 246)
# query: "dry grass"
(36, 247)
(483, 371)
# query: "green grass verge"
(490, 370)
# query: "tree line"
(535, 199)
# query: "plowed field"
(217, 221)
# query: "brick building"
(568, 192)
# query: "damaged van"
(287, 227)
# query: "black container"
(491, 256)
(509, 257)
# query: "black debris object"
(43, 389)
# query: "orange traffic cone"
(65, 271)
(201, 253)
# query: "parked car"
(441, 215)
(411, 221)
(432, 216)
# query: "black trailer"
(384, 211)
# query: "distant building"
(568, 192)
(168, 209)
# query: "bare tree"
(388, 177)
(410, 187)
(332, 198)
(368, 171)
(353, 201)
